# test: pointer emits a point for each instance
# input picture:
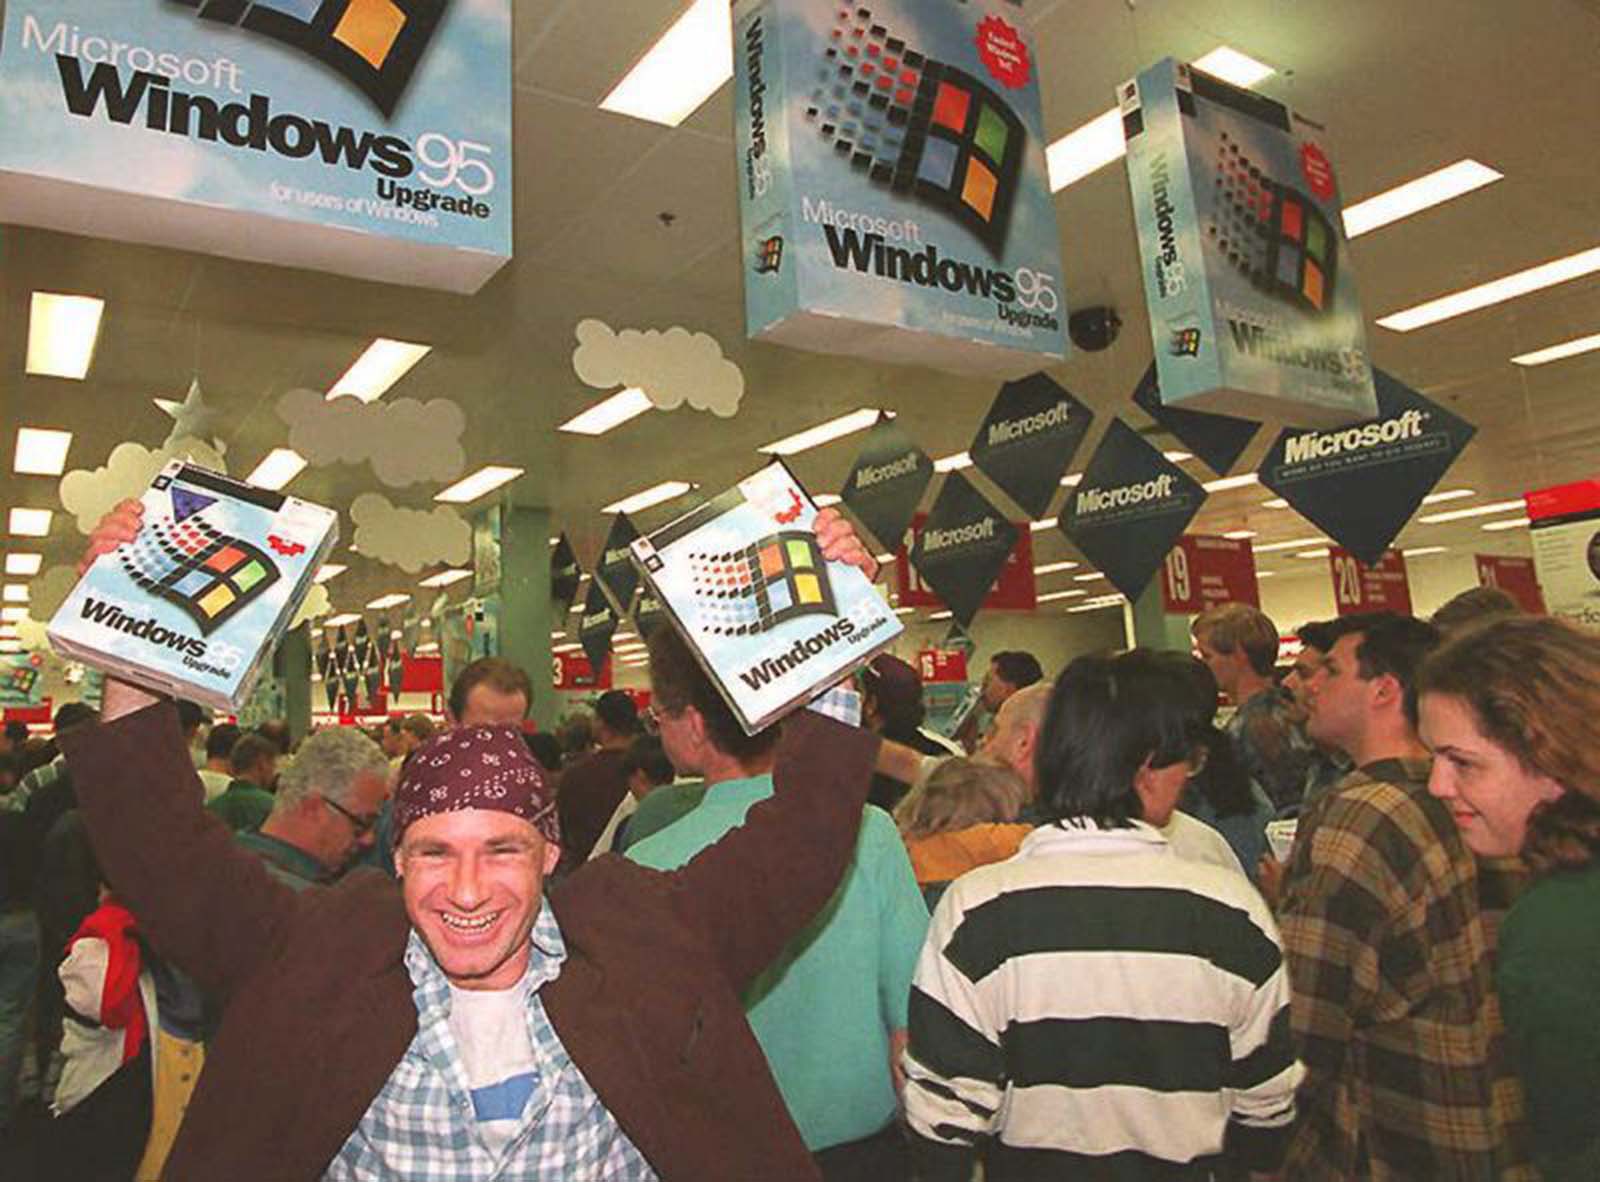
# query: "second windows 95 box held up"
(771, 621)
(196, 604)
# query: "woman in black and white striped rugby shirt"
(1098, 1007)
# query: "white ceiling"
(1403, 89)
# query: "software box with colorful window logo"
(365, 137)
(771, 621)
(1253, 303)
(197, 603)
(895, 199)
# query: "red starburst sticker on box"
(1318, 171)
(286, 549)
(1004, 53)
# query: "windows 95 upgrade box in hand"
(771, 621)
(195, 606)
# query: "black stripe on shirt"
(947, 1046)
(1269, 1059)
(1110, 919)
(1099, 1052)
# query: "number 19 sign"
(1202, 572)
(1359, 588)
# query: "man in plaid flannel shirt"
(1387, 955)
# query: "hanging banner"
(1202, 572)
(1359, 588)
(367, 138)
(893, 189)
(1015, 588)
(1360, 485)
(572, 671)
(615, 570)
(1515, 576)
(1130, 509)
(961, 549)
(1028, 439)
(887, 482)
(597, 625)
(1566, 549)
(1253, 304)
(565, 573)
(1218, 440)
(648, 614)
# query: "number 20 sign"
(1359, 588)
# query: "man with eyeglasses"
(327, 803)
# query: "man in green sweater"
(248, 799)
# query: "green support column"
(525, 602)
(291, 665)
(1153, 627)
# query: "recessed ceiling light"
(384, 602)
(62, 332)
(1230, 482)
(620, 408)
(41, 452)
(1514, 523)
(445, 578)
(30, 523)
(1319, 552)
(341, 621)
(15, 593)
(1055, 595)
(1560, 352)
(1054, 567)
(1097, 143)
(281, 466)
(1450, 494)
(331, 570)
(827, 500)
(688, 64)
(383, 364)
(1240, 535)
(1424, 551)
(24, 564)
(1294, 544)
(668, 490)
(480, 484)
(953, 463)
(13, 614)
(1497, 291)
(858, 420)
(1413, 197)
(1475, 511)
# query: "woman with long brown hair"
(1509, 709)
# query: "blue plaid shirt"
(421, 1126)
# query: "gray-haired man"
(327, 803)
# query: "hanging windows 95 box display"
(1247, 276)
(770, 620)
(893, 188)
(197, 603)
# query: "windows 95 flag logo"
(744, 592)
(376, 44)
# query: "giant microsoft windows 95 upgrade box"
(1247, 276)
(198, 602)
(895, 199)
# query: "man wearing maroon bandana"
(464, 1024)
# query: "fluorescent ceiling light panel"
(1275, 503)
(688, 64)
(1319, 552)
(567, 648)
(942, 616)
(1294, 544)
(1047, 523)
(331, 570)
(1055, 595)
(1266, 574)
(905, 611)
(858, 420)
(1230, 482)
(384, 602)
(1475, 511)
(1514, 523)
(24, 564)
(1497, 291)
(383, 364)
(1088, 578)
(1559, 352)
(14, 614)
(62, 333)
(1053, 567)
(1240, 535)
(1072, 481)
(827, 500)
(341, 621)
(8, 632)
(605, 416)
(41, 452)
(1413, 197)
(30, 523)
(427, 648)
(1177, 457)
(1424, 551)
(480, 484)
(666, 491)
(15, 593)
(1451, 494)
(446, 578)
(10, 647)
(953, 463)
(1232, 66)
(281, 466)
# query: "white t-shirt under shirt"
(491, 1032)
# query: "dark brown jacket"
(318, 1006)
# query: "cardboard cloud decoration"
(48, 591)
(409, 538)
(318, 604)
(89, 494)
(407, 442)
(673, 368)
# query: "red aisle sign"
(1201, 572)
(1013, 589)
(1359, 588)
(1514, 576)
(942, 664)
(423, 675)
(573, 672)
